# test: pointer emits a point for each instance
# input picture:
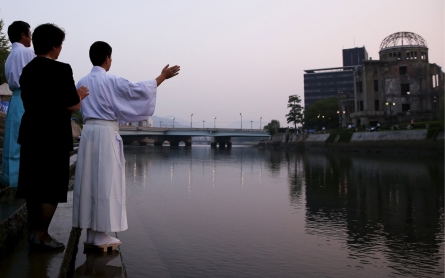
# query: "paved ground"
(23, 262)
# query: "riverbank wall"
(418, 142)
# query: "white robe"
(19, 57)
(99, 184)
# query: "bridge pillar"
(222, 142)
(158, 140)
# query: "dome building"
(400, 86)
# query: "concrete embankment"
(398, 141)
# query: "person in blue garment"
(21, 54)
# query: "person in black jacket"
(49, 94)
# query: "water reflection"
(383, 214)
(97, 264)
(392, 205)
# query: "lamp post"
(251, 124)
(391, 104)
(241, 114)
(160, 123)
(341, 117)
(214, 122)
(203, 123)
(191, 115)
(173, 122)
(260, 121)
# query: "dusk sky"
(236, 56)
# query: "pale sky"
(236, 56)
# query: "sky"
(236, 56)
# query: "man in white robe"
(21, 54)
(99, 185)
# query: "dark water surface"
(245, 212)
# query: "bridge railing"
(190, 129)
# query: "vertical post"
(214, 122)
(160, 123)
(241, 114)
(251, 124)
(260, 121)
(191, 115)
(173, 122)
(203, 123)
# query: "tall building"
(335, 82)
(327, 83)
(354, 56)
(401, 86)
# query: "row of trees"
(4, 52)
(321, 113)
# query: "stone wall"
(398, 141)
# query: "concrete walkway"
(70, 262)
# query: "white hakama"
(100, 169)
(99, 184)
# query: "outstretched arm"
(167, 72)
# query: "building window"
(403, 70)
(360, 87)
(405, 107)
(435, 80)
(399, 55)
(376, 105)
(360, 105)
(376, 85)
(404, 89)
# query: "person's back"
(20, 36)
(99, 185)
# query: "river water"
(247, 212)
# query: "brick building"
(401, 86)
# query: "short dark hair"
(47, 36)
(99, 51)
(16, 29)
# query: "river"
(247, 212)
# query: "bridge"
(219, 136)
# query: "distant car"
(311, 131)
(351, 126)
(372, 128)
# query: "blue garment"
(11, 149)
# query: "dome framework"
(402, 39)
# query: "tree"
(4, 52)
(295, 114)
(322, 113)
(272, 127)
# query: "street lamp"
(191, 115)
(251, 124)
(173, 122)
(341, 117)
(160, 123)
(214, 120)
(260, 121)
(391, 104)
(241, 114)
(203, 124)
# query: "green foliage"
(343, 136)
(432, 133)
(321, 113)
(272, 127)
(295, 114)
(4, 52)
(331, 137)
